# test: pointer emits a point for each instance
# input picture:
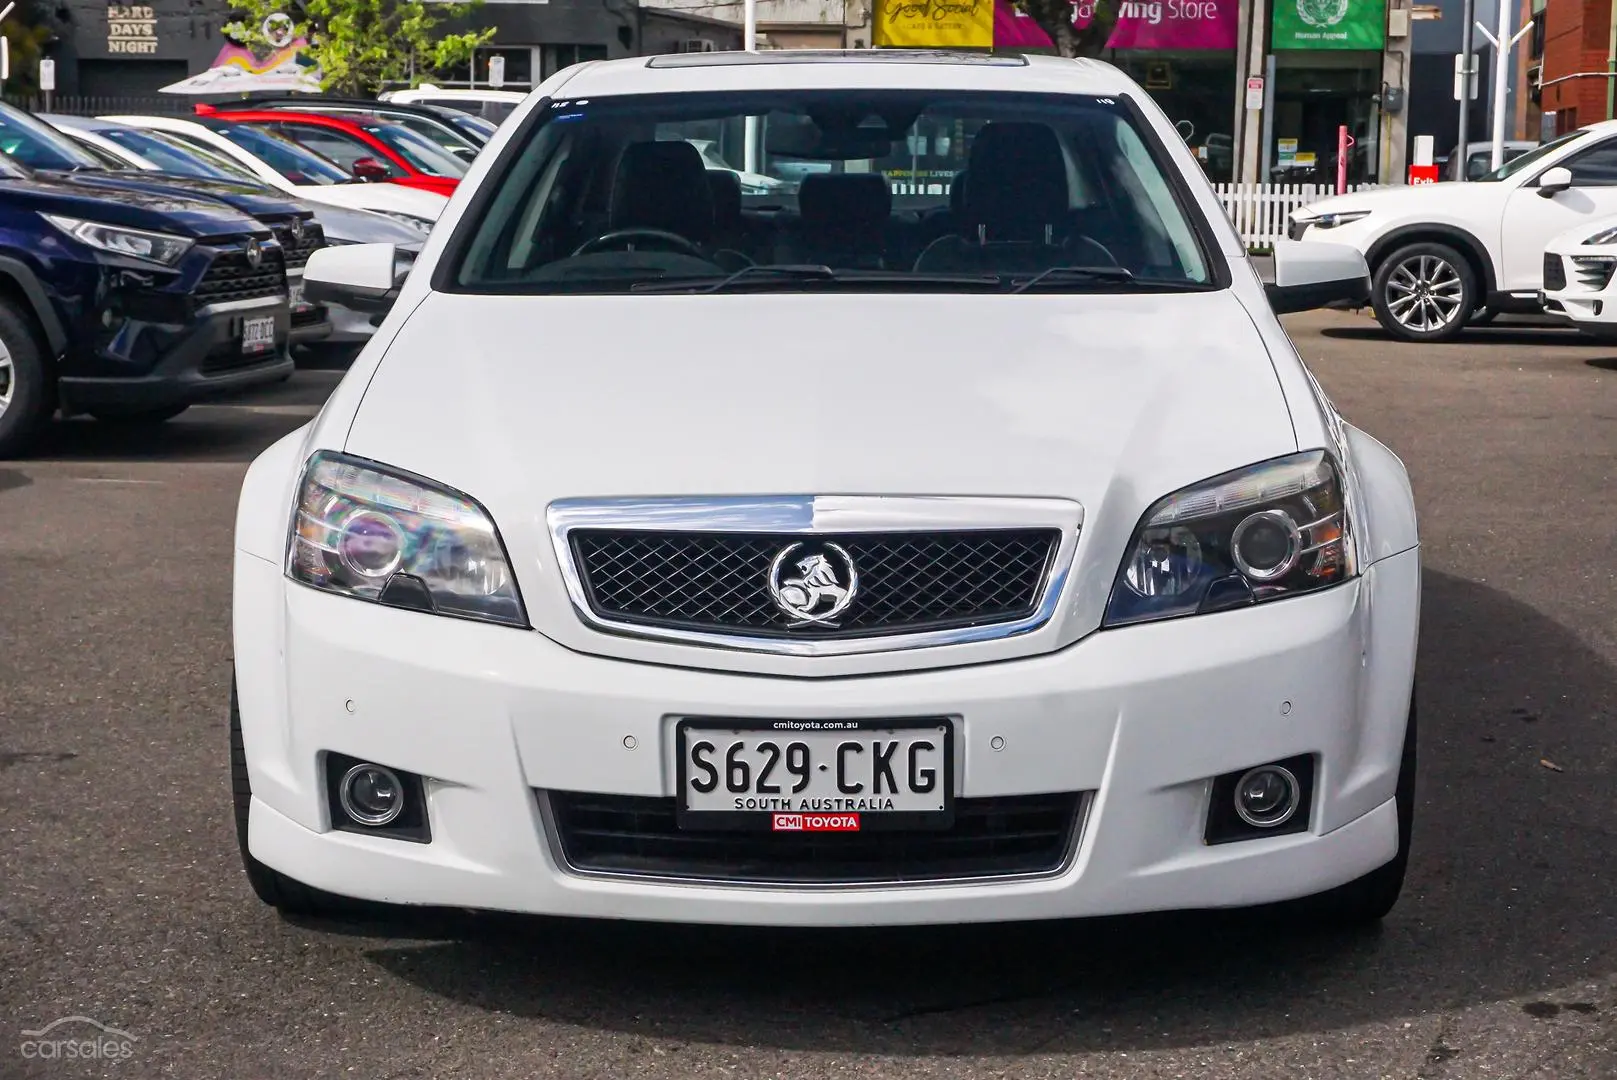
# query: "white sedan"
(923, 578)
(296, 170)
(1578, 278)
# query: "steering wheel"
(621, 237)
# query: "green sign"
(1330, 24)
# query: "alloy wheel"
(1424, 293)
(8, 379)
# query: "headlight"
(1605, 236)
(1341, 217)
(419, 224)
(366, 532)
(133, 243)
(1275, 529)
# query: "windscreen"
(848, 189)
(168, 157)
(415, 149)
(38, 145)
(293, 161)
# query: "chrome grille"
(637, 836)
(907, 581)
(231, 277)
(297, 251)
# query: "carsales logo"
(816, 823)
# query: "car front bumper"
(194, 361)
(1589, 293)
(1139, 719)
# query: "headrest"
(663, 185)
(726, 188)
(1018, 187)
(845, 200)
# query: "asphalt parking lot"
(122, 900)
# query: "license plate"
(258, 334)
(793, 776)
(295, 296)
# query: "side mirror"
(1310, 275)
(1554, 181)
(368, 168)
(363, 277)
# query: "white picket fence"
(1259, 211)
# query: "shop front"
(1183, 53)
(1328, 75)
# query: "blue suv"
(128, 296)
(129, 305)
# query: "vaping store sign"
(131, 31)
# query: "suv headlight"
(373, 534)
(119, 240)
(1605, 236)
(1340, 217)
(1275, 529)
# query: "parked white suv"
(1441, 254)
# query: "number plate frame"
(250, 347)
(761, 820)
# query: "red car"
(367, 146)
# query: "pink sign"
(1167, 24)
(1016, 29)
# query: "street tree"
(362, 46)
(1055, 18)
(29, 29)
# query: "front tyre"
(27, 389)
(1424, 293)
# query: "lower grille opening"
(994, 837)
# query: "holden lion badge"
(813, 583)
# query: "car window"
(424, 155)
(879, 189)
(166, 156)
(1531, 158)
(1596, 166)
(339, 146)
(221, 164)
(294, 161)
(107, 158)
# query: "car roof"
(429, 90)
(785, 69)
(343, 121)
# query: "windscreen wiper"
(1099, 275)
(790, 275)
(1066, 275)
(783, 271)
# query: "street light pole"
(1501, 82)
(749, 42)
(1467, 59)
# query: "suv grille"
(907, 582)
(297, 251)
(1554, 271)
(636, 836)
(231, 277)
(1593, 271)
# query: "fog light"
(1267, 796)
(371, 795)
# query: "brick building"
(1574, 82)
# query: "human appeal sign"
(1167, 24)
(1330, 24)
